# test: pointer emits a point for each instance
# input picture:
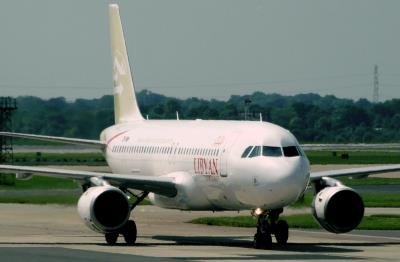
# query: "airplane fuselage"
(207, 160)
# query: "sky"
(207, 49)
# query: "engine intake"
(104, 208)
(338, 209)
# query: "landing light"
(256, 212)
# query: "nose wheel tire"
(129, 232)
(268, 224)
(281, 232)
(111, 238)
(262, 240)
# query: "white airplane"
(198, 165)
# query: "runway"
(56, 233)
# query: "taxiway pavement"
(56, 233)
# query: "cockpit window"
(301, 152)
(246, 151)
(256, 151)
(272, 151)
(290, 151)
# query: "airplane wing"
(354, 172)
(159, 185)
(86, 142)
(350, 146)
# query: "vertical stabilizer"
(126, 108)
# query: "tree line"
(310, 117)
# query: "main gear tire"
(129, 232)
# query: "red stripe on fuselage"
(114, 137)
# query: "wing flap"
(360, 171)
(160, 185)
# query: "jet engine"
(338, 209)
(104, 208)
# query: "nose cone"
(279, 182)
(283, 184)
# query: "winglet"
(126, 108)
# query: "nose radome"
(284, 184)
(295, 172)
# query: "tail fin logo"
(119, 70)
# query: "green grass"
(303, 202)
(355, 157)
(381, 200)
(373, 222)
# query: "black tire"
(281, 232)
(111, 238)
(262, 241)
(130, 232)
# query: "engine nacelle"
(104, 208)
(338, 209)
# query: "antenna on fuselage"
(147, 117)
(177, 115)
(260, 117)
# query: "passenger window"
(246, 151)
(290, 151)
(255, 152)
(272, 151)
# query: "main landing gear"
(129, 230)
(268, 225)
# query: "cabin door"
(226, 149)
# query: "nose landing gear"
(268, 225)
